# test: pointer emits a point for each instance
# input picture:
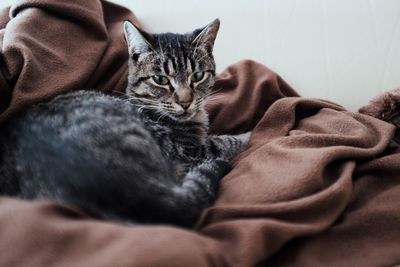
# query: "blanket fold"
(318, 185)
(73, 44)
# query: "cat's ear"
(135, 38)
(207, 35)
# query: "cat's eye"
(161, 80)
(197, 76)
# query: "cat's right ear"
(206, 36)
(135, 39)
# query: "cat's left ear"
(136, 39)
(207, 35)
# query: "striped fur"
(143, 157)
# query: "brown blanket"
(319, 186)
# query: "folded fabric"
(318, 186)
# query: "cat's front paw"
(240, 144)
(228, 146)
(244, 139)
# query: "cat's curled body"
(144, 157)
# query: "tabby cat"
(143, 157)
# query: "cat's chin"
(194, 115)
(185, 116)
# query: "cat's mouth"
(185, 115)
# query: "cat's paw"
(244, 138)
(241, 144)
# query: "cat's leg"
(198, 190)
(227, 146)
(200, 185)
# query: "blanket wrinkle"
(77, 50)
(231, 112)
(317, 186)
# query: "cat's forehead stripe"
(171, 67)
(192, 64)
(173, 54)
(184, 55)
(166, 68)
(174, 63)
(189, 65)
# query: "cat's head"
(171, 74)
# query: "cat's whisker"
(214, 91)
(214, 96)
(119, 92)
(143, 100)
(145, 105)
(162, 115)
(214, 99)
(166, 104)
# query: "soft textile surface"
(318, 186)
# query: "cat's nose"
(185, 105)
(184, 97)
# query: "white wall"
(343, 50)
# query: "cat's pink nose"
(185, 105)
(184, 97)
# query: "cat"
(143, 157)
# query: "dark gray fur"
(142, 157)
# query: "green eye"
(197, 76)
(161, 80)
